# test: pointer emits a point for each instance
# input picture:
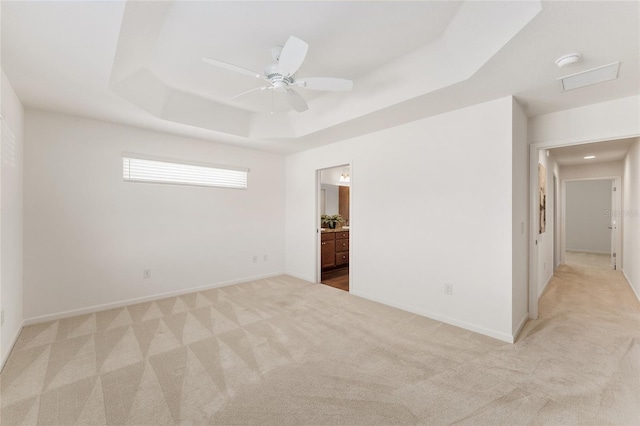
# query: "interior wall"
(89, 235)
(614, 119)
(587, 216)
(11, 217)
(631, 217)
(520, 219)
(605, 169)
(453, 170)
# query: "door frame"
(318, 225)
(558, 254)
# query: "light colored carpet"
(590, 260)
(283, 351)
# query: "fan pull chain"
(272, 112)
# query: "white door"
(614, 222)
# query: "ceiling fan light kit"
(280, 75)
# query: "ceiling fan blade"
(296, 100)
(292, 55)
(249, 91)
(231, 67)
(325, 83)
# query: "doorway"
(334, 226)
(597, 160)
(587, 227)
(590, 224)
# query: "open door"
(614, 223)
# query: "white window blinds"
(156, 171)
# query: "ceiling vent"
(589, 77)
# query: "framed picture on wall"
(542, 190)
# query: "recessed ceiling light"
(568, 59)
(589, 77)
(589, 157)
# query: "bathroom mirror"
(335, 192)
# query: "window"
(136, 169)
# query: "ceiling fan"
(280, 75)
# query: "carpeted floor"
(282, 351)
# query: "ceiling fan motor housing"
(278, 80)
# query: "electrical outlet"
(448, 289)
(146, 273)
(255, 259)
(266, 258)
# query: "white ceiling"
(354, 38)
(139, 63)
(604, 151)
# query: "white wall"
(587, 215)
(591, 171)
(603, 121)
(11, 237)
(520, 219)
(448, 184)
(89, 235)
(631, 217)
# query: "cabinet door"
(328, 254)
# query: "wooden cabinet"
(334, 249)
(343, 202)
(327, 250)
(342, 248)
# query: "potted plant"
(331, 221)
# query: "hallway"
(587, 341)
(587, 285)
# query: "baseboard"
(112, 305)
(300, 276)
(505, 337)
(588, 251)
(630, 285)
(11, 346)
(523, 321)
(544, 287)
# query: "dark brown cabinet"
(334, 249)
(327, 250)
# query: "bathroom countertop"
(334, 230)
